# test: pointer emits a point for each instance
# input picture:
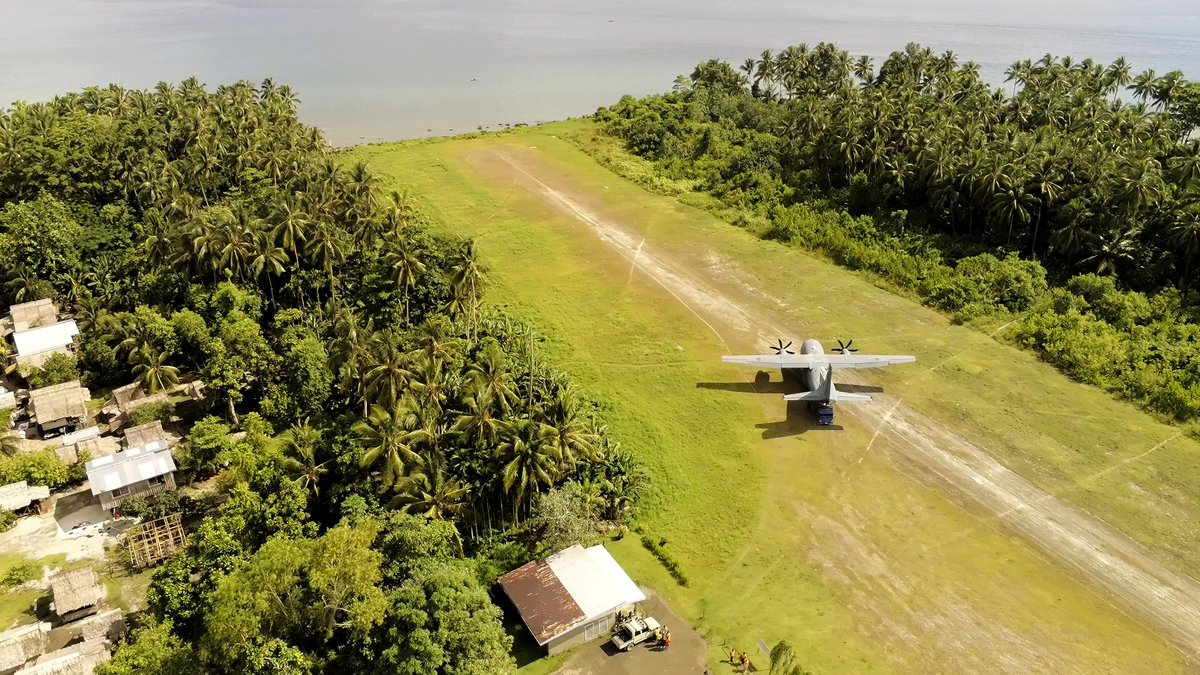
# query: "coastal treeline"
(379, 439)
(1067, 201)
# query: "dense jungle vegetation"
(383, 445)
(1053, 204)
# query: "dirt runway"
(1166, 600)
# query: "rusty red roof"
(543, 602)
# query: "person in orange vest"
(745, 663)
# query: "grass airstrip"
(821, 537)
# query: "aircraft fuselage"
(811, 379)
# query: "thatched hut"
(76, 594)
(60, 407)
(21, 644)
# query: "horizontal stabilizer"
(834, 396)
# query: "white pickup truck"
(634, 632)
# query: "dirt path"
(685, 656)
(727, 302)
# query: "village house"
(80, 658)
(125, 400)
(145, 434)
(16, 496)
(38, 334)
(34, 314)
(22, 644)
(571, 597)
(139, 471)
(60, 408)
(76, 594)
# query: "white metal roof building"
(122, 469)
(571, 596)
(45, 338)
(16, 496)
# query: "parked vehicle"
(634, 632)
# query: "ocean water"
(371, 70)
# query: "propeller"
(781, 348)
(845, 348)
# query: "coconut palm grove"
(378, 444)
(1067, 202)
(395, 435)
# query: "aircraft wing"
(866, 360)
(777, 360)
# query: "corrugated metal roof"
(80, 435)
(126, 468)
(45, 338)
(595, 581)
(543, 603)
(20, 494)
(570, 588)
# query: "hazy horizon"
(371, 70)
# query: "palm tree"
(525, 460)
(292, 225)
(406, 265)
(1143, 85)
(1011, 204)
(390, 434)
(427, 491)
(477, 424)
(1166, 88)
(491, 377)
(300, 444)
(387, 373)
(863, 70)
(564, 430)
(150, 368)
(428, 385)
(351, 354)
(466, 278)
(268, 260)
(327, 248)
(434, 340)
(1115, 249)
(1185, 235)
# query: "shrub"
(77, 472)
(36, 468)
(57, 369)
(161, 411)
(672, 565)
(7, 520)
(19, 574)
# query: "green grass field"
(821, 538)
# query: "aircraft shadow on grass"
(799, 419)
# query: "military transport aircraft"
(813, 369)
